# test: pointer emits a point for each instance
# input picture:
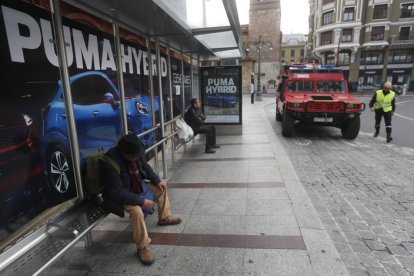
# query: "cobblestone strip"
(363, 191)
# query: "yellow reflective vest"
(384, 101)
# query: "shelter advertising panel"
(221, 94)
(35, 161)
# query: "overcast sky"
(294, 15)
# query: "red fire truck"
(317, 95)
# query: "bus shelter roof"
(202, 29)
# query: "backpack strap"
(108, 160)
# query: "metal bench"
(55, 238)
(46, 244)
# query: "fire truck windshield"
(300, 86)
(331, 86)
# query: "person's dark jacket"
(374, 99)
(118, 190)
(194, 117)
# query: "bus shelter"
(79, 74)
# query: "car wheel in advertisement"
(59, 174)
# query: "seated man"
(195, 119)
(122, 192)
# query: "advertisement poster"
(35, 162)
(177, 84)
(221, 94)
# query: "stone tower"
(264, 20)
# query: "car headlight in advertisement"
(28, 120)
(141, 108)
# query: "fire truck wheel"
(278, 116)
(287, 124)
(350, 128)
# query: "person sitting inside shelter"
(195, 118)
(123, 189)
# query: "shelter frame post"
(67, 96)
(182, 85)
(170, 86)
(151, 88)
(120, 76)
(161, 104)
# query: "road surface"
(402, 122)
(362, 189)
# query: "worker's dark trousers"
(379, 113)
(210, 132)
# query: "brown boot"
(145, 256)
(169, 221)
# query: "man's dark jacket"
(194, 117)
(118, 190)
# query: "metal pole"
(192, 77)
(259, 92)
(151, 86)
(171, 98)
(259, 45)
(67, 96)
(182, 85)
(161, 100)
(120, 75)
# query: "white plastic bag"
(186, 133)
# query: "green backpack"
(93, 177)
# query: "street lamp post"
(258, 45)
(259, 90)
(305, 50)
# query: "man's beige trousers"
(139, 228)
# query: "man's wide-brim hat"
(130, 146)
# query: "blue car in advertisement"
(98, 124)
(221, 100)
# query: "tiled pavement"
(244, 212)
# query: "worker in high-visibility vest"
(383, 103)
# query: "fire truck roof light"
(328, 66)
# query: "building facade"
(293, 49)
(264, 24)
(372, 40)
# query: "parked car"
(397, 89)
(98, 124)
(221, 100)
(21, 171)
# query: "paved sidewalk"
(244, 210)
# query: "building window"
(400, 56)
(330, 58)
(349, 14)
(404, 33)
(283, 53)
(372, 57)
(327, 18)
(347, 35)
(324, 2)
(377, 33)
(326, 38)
(292, 52)
(407, 10)
(380, 11)
(302, 52)
(344, 58)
